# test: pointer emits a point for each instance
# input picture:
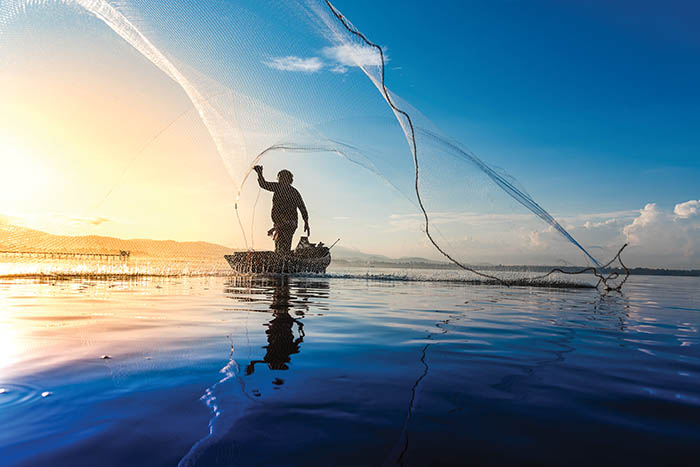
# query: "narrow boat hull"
(269, 262)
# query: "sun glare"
(25, 180)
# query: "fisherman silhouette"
(285, 202)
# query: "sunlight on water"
(9, 345)
(159, 267)
(226, 367)
(134, 267)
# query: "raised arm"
(264, 184)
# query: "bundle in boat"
(306, 257)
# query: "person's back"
(285, 202)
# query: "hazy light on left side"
(25, 179)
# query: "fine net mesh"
(145, 121)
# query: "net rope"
(240, 151)
(598, 271)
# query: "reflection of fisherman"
(285, 202)
(281, 343)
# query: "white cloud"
(597, 225)
(292, 63)
(534, 240)
(338, 60)
(665, 239)
(339, 69)
(687, 209)
(647, 216)
(350, 55)
(657, 237)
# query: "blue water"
(347, 371)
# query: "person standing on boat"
(285, 202)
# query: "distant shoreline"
(16, 239)
(523, 268)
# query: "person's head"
(285, 177)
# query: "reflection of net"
(289, 91)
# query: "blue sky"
(591, 105)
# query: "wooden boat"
(310, 258)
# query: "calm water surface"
(343, 371)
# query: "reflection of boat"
(306, 257)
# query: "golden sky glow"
(96, 140)
(73, 126)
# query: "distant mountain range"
(14, 238)
(21, 239)
(356, 256)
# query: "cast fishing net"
(138, 119)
